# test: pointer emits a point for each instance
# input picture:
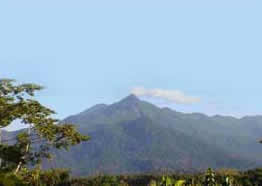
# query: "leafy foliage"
(248, 178)
(210, 179)
(16, 103)
(7, 179)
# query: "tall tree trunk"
(26, 151)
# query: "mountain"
(134, 136)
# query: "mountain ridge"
(134, 98)
(225, 135)
(134, 136)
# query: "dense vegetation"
(59, 177)
(20, 155)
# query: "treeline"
(60, 177)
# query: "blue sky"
(89, 52)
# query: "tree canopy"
(17, 103)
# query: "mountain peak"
(130, 99)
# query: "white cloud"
(174, 96)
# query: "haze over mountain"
(133, 136)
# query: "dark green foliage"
(60, 177)
(16, 102)
(210, 179)
(52, 177)
(240, 179)
(7, 179)
(253, 177)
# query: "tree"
(209, 179)
(17, 103)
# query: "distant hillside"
(133, 136)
